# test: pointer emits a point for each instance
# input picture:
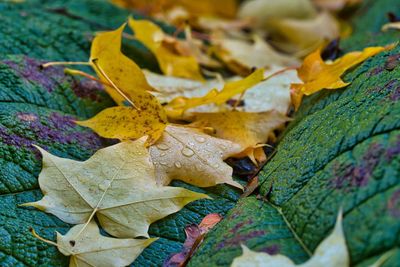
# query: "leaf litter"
(226, 89)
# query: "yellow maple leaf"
(127, 123)
(178, 106)
(171, 63)
(248, 129)
(110, 64)
(196, 158)
(128, 85)
(317, 75)
(87, 247)
(117, 185)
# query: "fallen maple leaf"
(194, 237)
(331, 252)
(249, 130)
(318, 75)
(241, 56)
(178, 106)
(129, 85)
(116, 184)
(87, 247)
(171, 63)
(189, 155)
(126, 123)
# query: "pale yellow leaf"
(241, 56)
(189, 155)
(263, 11)
(87, 247)
(117, 184)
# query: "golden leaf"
(224, 8)
(178, 106)
(126, 123)
(171, 63)
(191, 156)
(247, 129)
(129, 86)
(318, 75)
(117, 184)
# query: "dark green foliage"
(342, 150)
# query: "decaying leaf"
(241, 56)
(87, 247)
(391, 26)
(126, 123)
(263, 11)
(171, 63)
(189, 155)
(194, 237)
(129, 86)
(116, 184)
(249, 130)
(301, 36)
(317, 74)
(178, 106)
(331, 252)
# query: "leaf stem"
(84, 74)
(49, 64)
(113, 85)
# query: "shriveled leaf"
(178, 106)
(117, 184)
(263, 11)
(331, 252)
(191, 156)
(301, 36)
(126, 123)
(249, 130)
(317, 74)
(194, 237)
(241, 56)
(171, 63)
(87, 247)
